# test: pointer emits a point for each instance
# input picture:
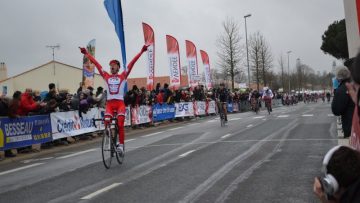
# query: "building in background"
(352, 20)
(65, 77)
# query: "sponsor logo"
(74, 124)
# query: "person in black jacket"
(342, 105)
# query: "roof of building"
(41, 67)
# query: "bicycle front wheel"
(107, 148)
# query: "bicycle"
(255, 105)
(268, 104)
(221, 113)
(108, 144)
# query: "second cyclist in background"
(222, 97)
(267, 97)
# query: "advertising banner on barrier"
(211, 109)
(163, 112)
(66, 124)
(200, 108)
(235, 107)
(184, 109)
(229, 107)
(141, 114)
(24, 131)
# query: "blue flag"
(114, 10)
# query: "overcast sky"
(26, 27)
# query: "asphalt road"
(256, 158)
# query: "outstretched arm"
(132, 62)
(93, 60)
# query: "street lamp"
(288, 53)
(247, 49)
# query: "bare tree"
(230, 50)
(260, 57)
(255, 57)
(266, 59)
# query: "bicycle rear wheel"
(107, 148)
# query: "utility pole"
(247, 49)
(53, 47)
(288, 53)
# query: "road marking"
(193, 124)
(33, 160)
(283, 116)
(331, 115)
(249, 126)
(186, 153)
(130, 140)
(19, 169)
(175, 128)
(77, 153)
(152, 134)
(234, 119)
(259, 117)
(264, 119)
(225, 136)
(87, 197)
(307, 115)
(211, 121)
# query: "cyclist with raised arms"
(115, 84)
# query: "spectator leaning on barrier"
(342, 105)
(27, 104)
(341, 179)
(354, 92)
(100, 97)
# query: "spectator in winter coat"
(354, 92)
(342, 105)
(100, 97)
(27, 104)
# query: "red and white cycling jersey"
(115, 85)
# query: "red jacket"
(27, 104)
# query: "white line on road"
(259, 117)
(187, 153)
(77, 153)
(234, 119)
(307, 115)
(264, 119)
(87, 197)
(249, 126)
(211, 121)
(225, 136)
(193, 124)
(19, 169)
(331, 115)
(175, 128)
(152, 134)
(129, 140)
(283, 116)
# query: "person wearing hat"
(342, 104)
